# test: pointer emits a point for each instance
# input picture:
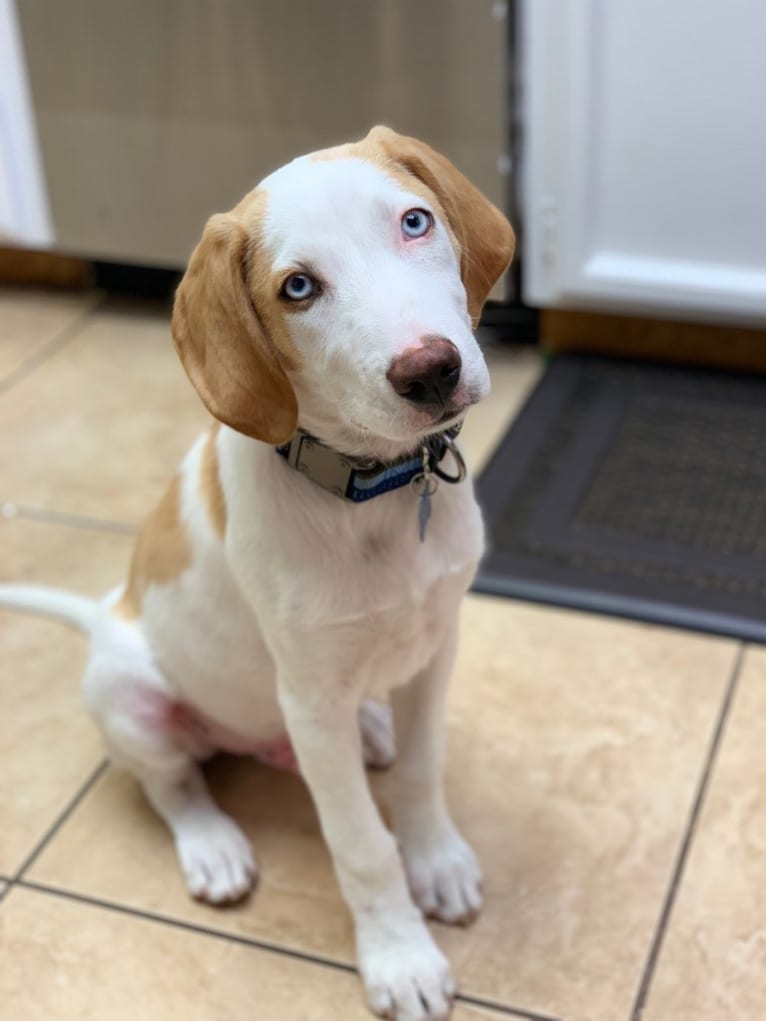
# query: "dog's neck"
(361, 479)
(357, 443)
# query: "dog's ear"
(222, 342)
(483, 234)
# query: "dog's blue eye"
(298, 287)
(416, 223)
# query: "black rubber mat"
(637, 490)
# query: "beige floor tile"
(48, 747)
(576, 743)
(63, 960)
(30, 319)
(712, 966)
(99, 428)
(584, 738)
(104, 849)
(514, 371)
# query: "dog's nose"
(428, 373)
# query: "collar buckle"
(323, 465)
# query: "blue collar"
(358, 480)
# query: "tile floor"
(611, 775)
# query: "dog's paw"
(408, 979)
(444, 877)
(216, 859)
(377, 728)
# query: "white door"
(24, 217)
(644, 156)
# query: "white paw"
(408, 979)
(377, 727)
(216, 858)
(444, 877)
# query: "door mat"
(637, 490)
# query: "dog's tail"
(79, 611)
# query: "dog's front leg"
(405, 974)
(443, 873)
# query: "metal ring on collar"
(457, 457)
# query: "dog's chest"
(352, 589)
(402, 640)
(384, 610)
(358, 562)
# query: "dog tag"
(425, 486)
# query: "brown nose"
(428, 373)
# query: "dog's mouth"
(421, 425)
(446, 420)
(449, 419)
(453, 413)
(450, 414)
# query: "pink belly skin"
(203, 736)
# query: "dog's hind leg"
(215, 856)
(146, 734)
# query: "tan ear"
(224, 347)
(484, 235)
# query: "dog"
(311, 554)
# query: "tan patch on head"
(210, 489)
(368, 150)
(480, 235)
(348, 150)
(161, 555)
(229, 331)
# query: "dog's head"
(343, 291)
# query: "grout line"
(60, 820)
(52, 347)
(249, 941)
(180, 923)
(683, 854)
(9, 509)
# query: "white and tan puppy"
(261, 610)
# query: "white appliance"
(153, 115)
(644, 156)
